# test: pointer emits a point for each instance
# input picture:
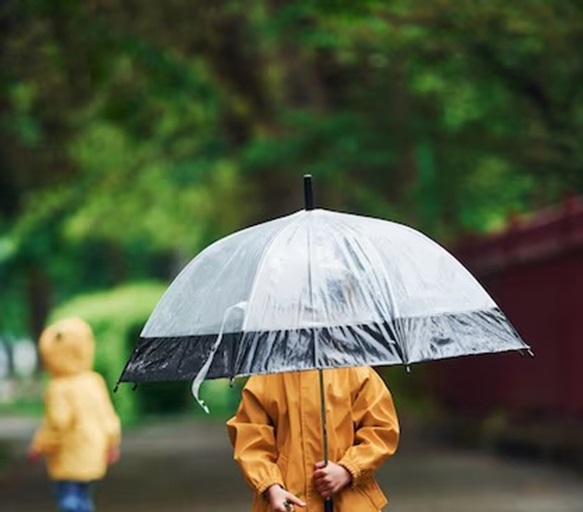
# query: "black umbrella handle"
(328, 505)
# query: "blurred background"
(133, 134)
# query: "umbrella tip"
(308, 193)
(408, 369)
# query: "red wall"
(534, 271)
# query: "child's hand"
(113, 455)
(281, 500)
(330, 478)
(33, 456)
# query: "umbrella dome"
(317, 289)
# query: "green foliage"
(221, 397)
(32, 406)
(22, 122)
(131, 140)
(175, 119)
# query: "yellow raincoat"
(80, 426)
(277, 435)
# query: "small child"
(277, 439)
(80, 433)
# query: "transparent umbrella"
(317, 289)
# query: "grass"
(32, 407)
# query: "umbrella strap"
(202, 373)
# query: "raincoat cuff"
(44, 442)
(352, 469)
(266, 484)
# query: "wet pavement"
(187, 466)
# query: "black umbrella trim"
(403, 341)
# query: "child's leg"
(74, 496)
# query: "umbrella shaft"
(328, 504)
(323, 413)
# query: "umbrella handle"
(328, 505)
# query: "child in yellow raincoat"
(277, 439)
(80, 433)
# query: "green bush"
(221, 397)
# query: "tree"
(135, 134)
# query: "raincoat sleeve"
(45, 439)
(111, 421)
(376, 428)
(57, 419)
(252, 435)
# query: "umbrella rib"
(261, 262)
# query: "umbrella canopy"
(317, 289)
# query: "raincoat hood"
(67, 347)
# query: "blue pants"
(73, 496)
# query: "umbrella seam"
(391, 294)
(260, 265)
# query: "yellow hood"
(67, 347)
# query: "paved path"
(187, 466)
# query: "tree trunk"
(38, 292)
